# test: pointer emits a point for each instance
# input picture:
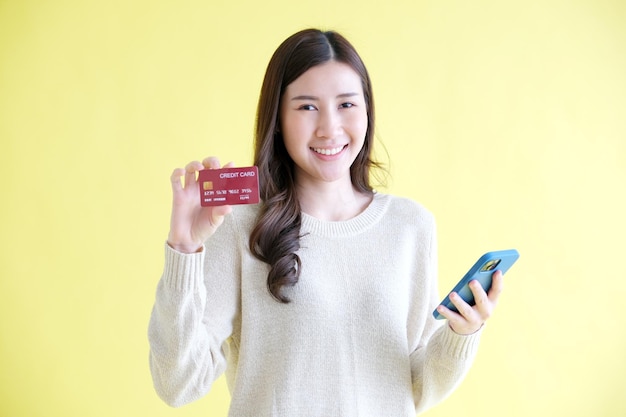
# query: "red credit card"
(219, 187)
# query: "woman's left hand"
(470, 319)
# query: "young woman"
(318, 301)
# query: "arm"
(445, 352)
(196, 301)
(446, 358)
(440, 366)
(191, 320)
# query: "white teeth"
(332, 151)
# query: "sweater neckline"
(361, 222)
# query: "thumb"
(218, 213)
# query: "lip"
(328, 151)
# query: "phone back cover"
(507, 259)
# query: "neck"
(332, 201)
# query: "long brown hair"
(275, 238)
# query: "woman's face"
(323, 117)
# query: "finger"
(231, 164)
(479, 293)
(190, 172)
(217, 216)
(483, 305)
(211, 162)
(462, 306)
(448, 314)
(175, 179)
(458, 323)
(497, 285)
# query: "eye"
(308, 107)
(346, 105)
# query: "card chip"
(207, 185)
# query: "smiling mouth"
(328, 151)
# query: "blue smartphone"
(482, 270)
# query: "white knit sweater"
(357, 339)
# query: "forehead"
(331, 77)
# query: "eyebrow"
(314, 98)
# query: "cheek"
(290, 134)
(289, 128)
(298, 130)
(359, 125)
(290, 122)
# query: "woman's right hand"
(191, 224)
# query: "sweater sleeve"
(442, 357)
(194, 313)
(440, 366)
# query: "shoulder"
(409, 227)
(406, 210)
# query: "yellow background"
(506, 118)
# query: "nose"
(329, 124)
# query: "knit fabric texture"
(357, 339)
